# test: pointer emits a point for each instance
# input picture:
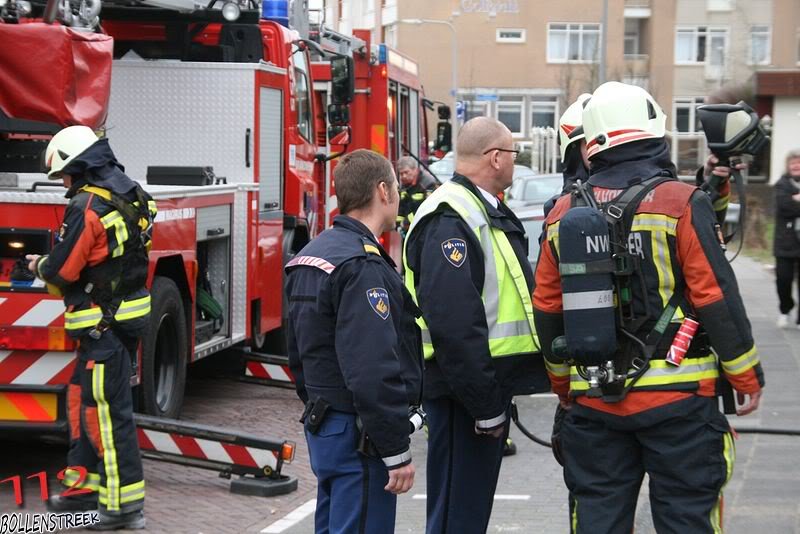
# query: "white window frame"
(690, 102)
(581, 30)
(539, 104)
(521, 39)
(516, 102)
(768, 32)
(720, 5)
(473, 104)
(706, 31)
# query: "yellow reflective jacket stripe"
(129, 309)
(663, 374)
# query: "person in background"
(414, 189)
(787, 237)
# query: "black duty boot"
(510, 448)
(131, 521)
(85, 502)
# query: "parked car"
(532, 218)
(533, 189)
(443, 169)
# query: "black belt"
(338, 399)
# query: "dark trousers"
(350, 494)
(103, 437)
(686, 448)
(786, 270)
(462, 470)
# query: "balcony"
(637, 65)
(637, 9)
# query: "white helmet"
(65, 146)
(570, 126)
(619, 113)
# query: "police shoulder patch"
(455, 251)
(378, 299)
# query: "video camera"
(732, 130)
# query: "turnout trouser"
(350, 494)
(462, 470)
(102, 431)
(686, 448)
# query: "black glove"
(555, 438)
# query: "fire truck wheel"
(164, 352)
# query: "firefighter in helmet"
(99, 265)
(648, 403)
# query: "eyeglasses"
(514, 153)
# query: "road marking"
(294, 517)
(422, 496)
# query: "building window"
(760, 45)
(573, 43)
(509, 112)
(509, 35)
(719, 5)
(390, 35)
(473, 108)
(637, 79)
(701, 45)
(632, 37)
(684, 116)
(544, 112)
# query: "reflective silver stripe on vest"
(500, 331)
(588, 300)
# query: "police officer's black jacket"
(786, 244)
(462, 367)
(353, 340)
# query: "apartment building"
(523, 61)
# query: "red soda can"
(683, 338)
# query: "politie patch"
(455, 250)
(379, 301)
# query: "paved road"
(764, 495)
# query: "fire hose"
(738, 430)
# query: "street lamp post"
(454, 59)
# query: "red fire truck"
(216, 119)
(388, 109)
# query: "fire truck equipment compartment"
(70, 84)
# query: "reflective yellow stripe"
(729, 454)
(107, 437)
(653, 222)
(663, 374)
(557, 369)
(552, 233)
(71, 477)
(89, 317)
(722, 203)
(130, 493)
(575, 516)
(743, 363)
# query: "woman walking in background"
(787, 236)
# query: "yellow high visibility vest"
(506, 299)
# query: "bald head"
(479, 135)
(485, 154)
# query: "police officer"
(355, 350)
(466, 264)
(99, 265)
(665, 421)
(413, 190)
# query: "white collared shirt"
(489, 197)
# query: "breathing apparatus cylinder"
(587, 285)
